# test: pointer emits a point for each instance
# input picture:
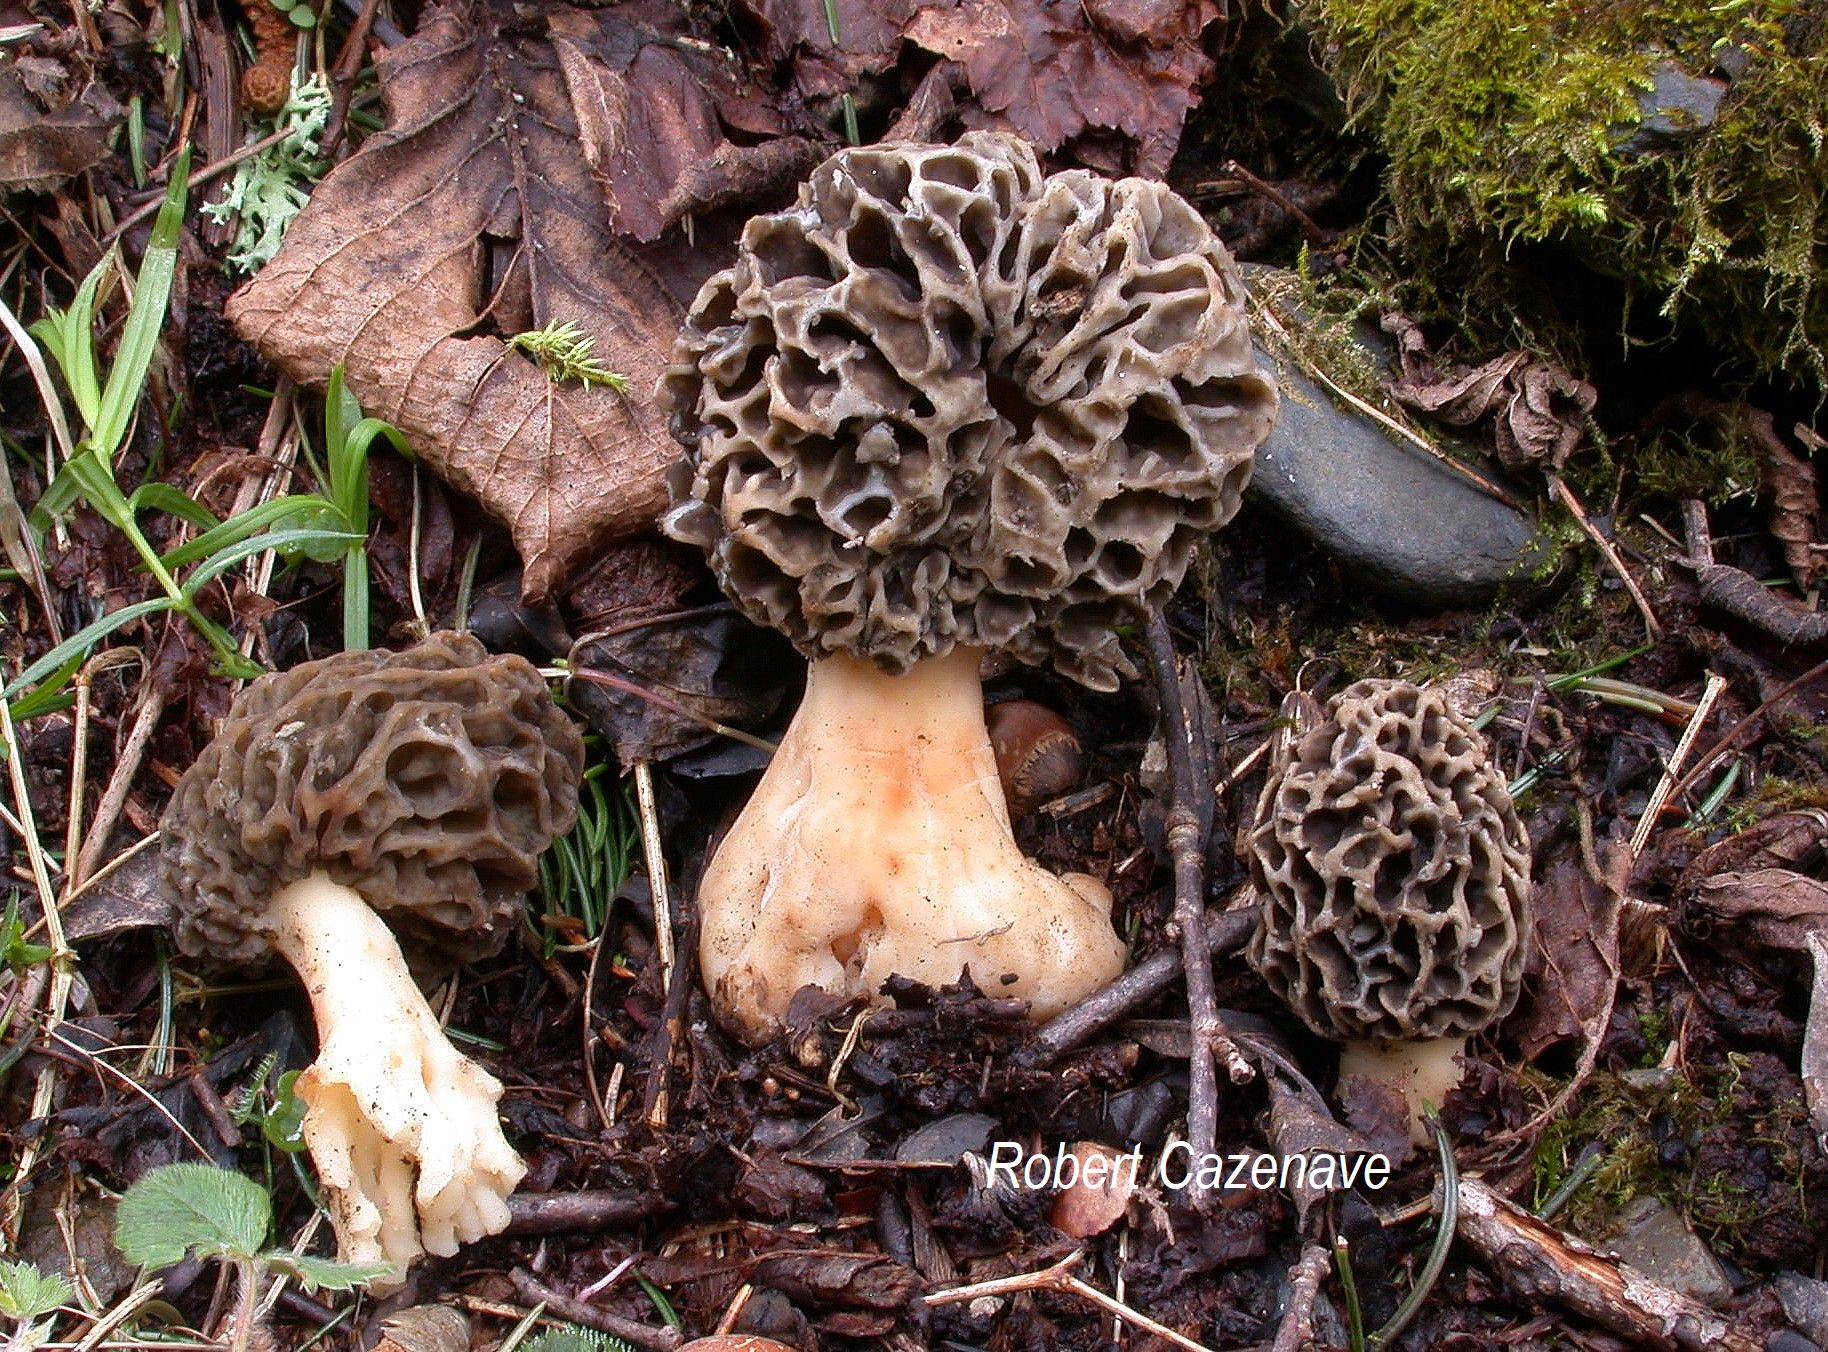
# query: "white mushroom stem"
(401, 1125)
(1423, 1072)
(878, 844)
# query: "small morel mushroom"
(370, 790)
(1394, 880)
(944, 404)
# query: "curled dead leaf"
(1539, 411)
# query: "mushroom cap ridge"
(428, 780)
(1393, 871)
(946, 400)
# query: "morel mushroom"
(371, 789)
(1394, 880)
(944, 404)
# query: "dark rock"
(1657, 1241)
(1397, 519)
(1677, 107)
(1805, 1302)
(1785, 1341)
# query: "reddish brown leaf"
(481, 212)
(1097, 1200)
(1574, 962)
(1055, 72)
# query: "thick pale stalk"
(402, 1126)
(878, 843)
(1425, 1073)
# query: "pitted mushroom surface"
(1393, 872)
(945, 403)
(420, 786)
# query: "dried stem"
(1227, 931)
(1601, 543)
(1060, 1278)
(1186, 836)
(532, 1289)
(1296, 1331)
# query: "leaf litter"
(548, 165)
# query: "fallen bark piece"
(1539, 1262)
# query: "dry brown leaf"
(1539, 411)
(1788, 479)
(1574, 966)
(1772, 906)
(514, 134)
(1059, 72)
(48, 136)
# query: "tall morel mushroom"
(370, 790)
(1394, 878)
(944, 404)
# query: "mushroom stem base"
(878, 844)
(402, 1126)
(1424, 1073)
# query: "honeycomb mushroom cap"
(428, 780)
(949, 400)
(1393, 869)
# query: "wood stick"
(1539, 1262)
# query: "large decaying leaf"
(1056, 72)
(1109, 82)
(520, 138)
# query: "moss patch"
(1503, 125)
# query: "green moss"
(1502, 123)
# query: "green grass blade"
(69, 336)
(146, 318)
(79, 643)
(163, 497)
(279, 541)
(238, 528)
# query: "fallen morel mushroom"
(346, 802)
(944, 404)
(1393, 874)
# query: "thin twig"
(1227, 930)
(208, 173)
(1601, 543)
(1296, 1331)
(1660, 795)
(120, 783)
(628, 687)
(1187, 846)
(1262, 188)
(532, 1289)
(1060, 1278)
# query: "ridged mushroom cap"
(1393, 870)
(428, 780)
(947, 399)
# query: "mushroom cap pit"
(428, 780)
(947, 399)
(1393, 871)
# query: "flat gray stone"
(1657, 1241)
(1396, 518)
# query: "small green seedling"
(298, 11)
(15, 952)
(182, 1209)
(566, 353)
(574, 1339)
(26, 1296)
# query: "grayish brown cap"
(428, 780)
(1393, 869)
(947, 400)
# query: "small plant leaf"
(181, 1208)
(575, 1339)
(26, 1293)
(284, 1123)
(325, 1274)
